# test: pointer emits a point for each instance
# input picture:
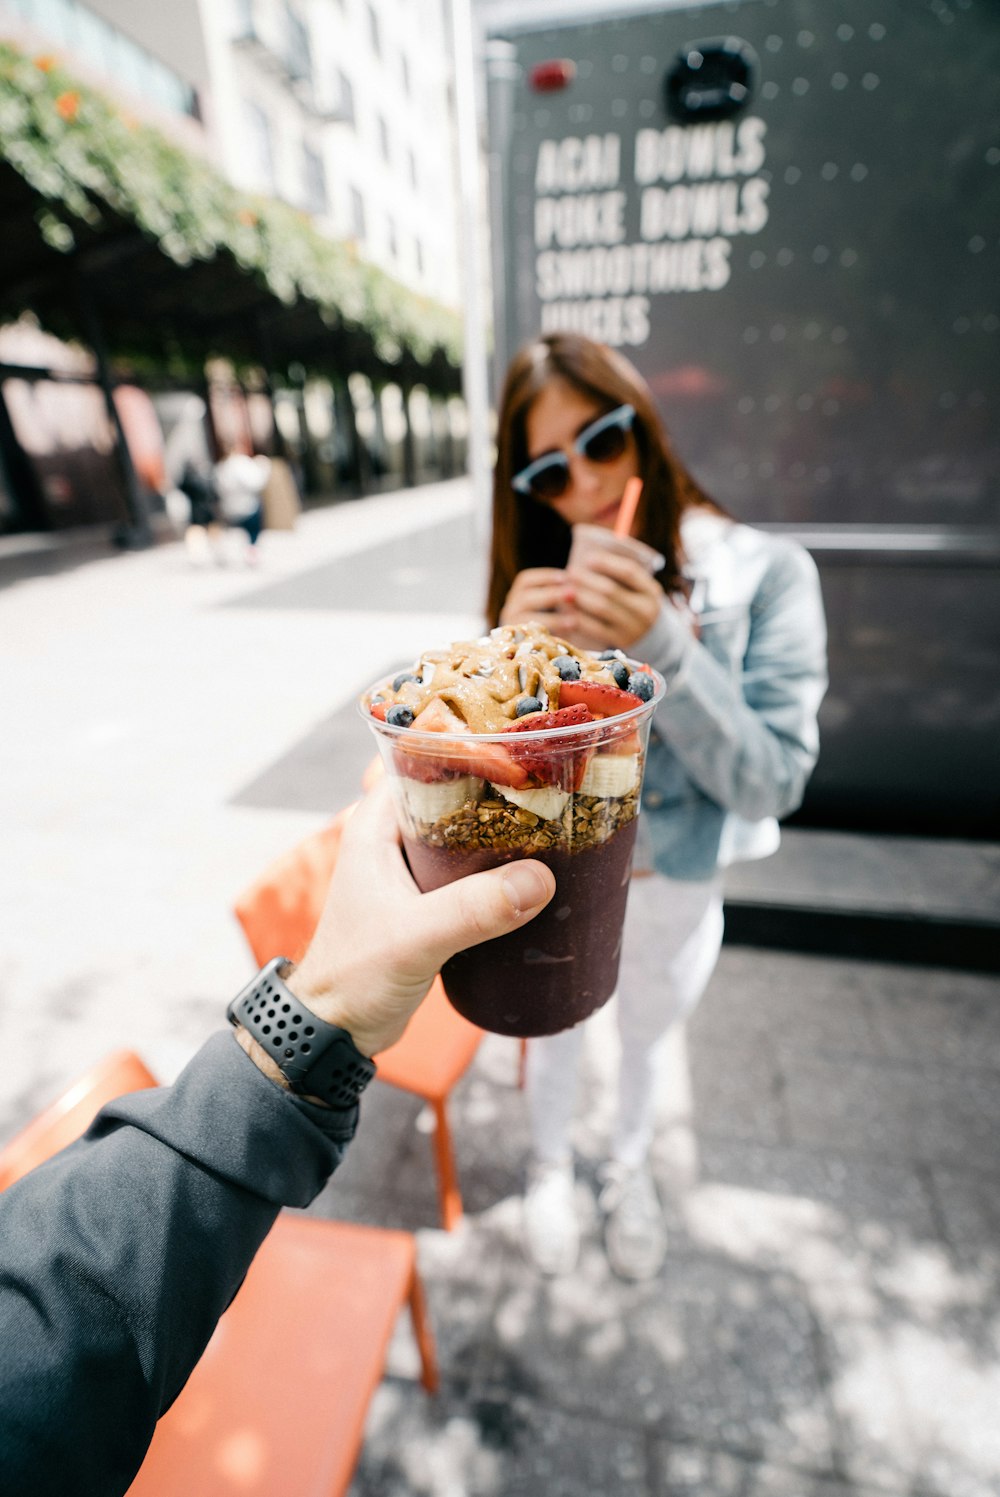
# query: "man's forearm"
(118, 1256)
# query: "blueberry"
(568, 668)
(642, 685)
(398, 716)
(403, 676)
(526, 705)
(609, 655)
(620, 672)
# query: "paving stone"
(441, 561)
(388, 1176)
(706, 1352)
(950, 1381)
(935, 1113)
(813, 1004)
(937, 1017)
(736, 1092)
(692, 1471)
(970, 1205)
(479, 1446)
(915, 1403)
(822, 1217)
(465, 1272)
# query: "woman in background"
(734, 622)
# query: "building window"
(297, 55)
(404, 70)
(419, 251)
(392, 238)
(110, 51)
(359, 229)
(261, 145)
(314, 181)
(413, 170)
(383, 139)
(346, 99)
(373, 31)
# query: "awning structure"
(179, 263)
(115, 236)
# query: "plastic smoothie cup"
(568, 796)
(586, 539)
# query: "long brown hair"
(527, 533)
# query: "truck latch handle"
(710, 80)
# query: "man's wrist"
(292, 1042)
(260, 1057)
(320, 998)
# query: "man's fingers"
(481, 907)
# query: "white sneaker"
(550, 1228)
(634, 1234)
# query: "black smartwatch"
(317, 1059)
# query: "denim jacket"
(734, 740)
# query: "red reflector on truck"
(547, 77)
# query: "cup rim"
(574, 732)
(625, 544)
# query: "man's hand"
(380, 942)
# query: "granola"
(493, 823)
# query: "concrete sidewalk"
(828, 1321)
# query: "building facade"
(341, 109)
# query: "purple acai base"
(560, 967)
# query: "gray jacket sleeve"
(118, 1256)
(745, 729)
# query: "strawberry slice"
(565, 717)
(490, 761)
(623, 740)
(379, 709)
(602, 700)
(547, 760)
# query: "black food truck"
(787, 214)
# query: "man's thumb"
(483, 906)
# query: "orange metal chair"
(279, 1399)
(68, 1116)
(279, 913)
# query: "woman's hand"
(615, 600)
(380, 942)
(542, 593)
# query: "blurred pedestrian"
(203, 534)
(240, 480)
(734, 622)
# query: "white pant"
(673, 932)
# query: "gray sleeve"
(748, 739)
(118, 1256)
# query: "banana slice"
(441, 797)
(548, 802)
(610, 774)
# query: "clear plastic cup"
(567, 796)
(586, 539)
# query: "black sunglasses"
(603, 441)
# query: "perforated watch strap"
(317, 1059)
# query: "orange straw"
(628, 507)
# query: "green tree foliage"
(92, 163)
